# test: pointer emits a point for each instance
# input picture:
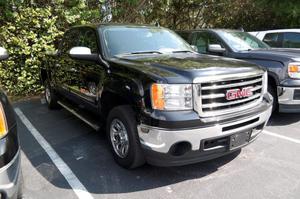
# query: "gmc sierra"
(161, 102)
(283, 65)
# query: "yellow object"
(157, 96)
(293, 68)
(3, 123)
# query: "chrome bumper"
(161, 140)
(286, 100)
(9, 178)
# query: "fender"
(126, 88)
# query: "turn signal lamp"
(3, 123)
(174, 97)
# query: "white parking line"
(281, 137)
(73, 181)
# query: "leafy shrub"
(27, 36)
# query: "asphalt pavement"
(77, 163)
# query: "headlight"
(172, 96)
(265, 81)
(294, 70)
(3, 123)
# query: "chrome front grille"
(210, 94)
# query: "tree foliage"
(29, 28)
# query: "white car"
(283, 38)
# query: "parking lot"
(267, 168)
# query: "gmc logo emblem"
(239, 93)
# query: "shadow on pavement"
(284, 119)
(88, 155)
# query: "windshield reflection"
(241, 41)
(142, 40)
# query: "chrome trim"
(256, 88)
(2, 169)
(287, 96)
(214, 105)
(161, 140)
(231, 85)
(212, 96)
(10, 176)
(197, 93)
(94, 126)
(219, 95)
(219, 78)
(119, 138)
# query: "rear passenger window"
(272, 39)
(291, 40)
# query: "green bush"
(29, 28)
(28, 34)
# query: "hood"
(275, 54)
(185, 67)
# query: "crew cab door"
(64, 66)
(89, 75)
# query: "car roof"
(211, 29)
(95, 26)
(280, 30)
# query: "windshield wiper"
(182, 51)
(147, 52)
(138, 53)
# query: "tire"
(123, 117)
(51, 98)
(273, 92)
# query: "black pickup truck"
(283, 65)
(160, 101)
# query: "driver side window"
(69, 40)
(203, 39)
(88, 38)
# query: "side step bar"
(86, 119)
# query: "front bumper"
(10, 176)
(159, 143)
(289, 99)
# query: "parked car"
(10, 169)
(161, 102)
(283, 65)
(283, 38)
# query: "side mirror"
(3, 53)
(195, 48)
(216, 48)
(83, 53)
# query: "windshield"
(142, 40)
(241, 41)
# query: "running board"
(86, 119)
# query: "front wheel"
(122, 133)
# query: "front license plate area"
(239, 139)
